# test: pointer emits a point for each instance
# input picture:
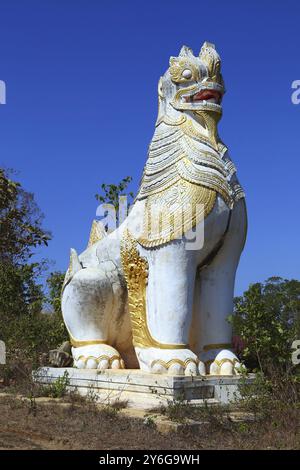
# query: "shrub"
(267, 319)
(28, 338)
(56, 389)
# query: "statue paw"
(97, 356)
(170, 361)
(226, 363)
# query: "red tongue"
(204, 95)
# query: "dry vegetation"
(72, 422)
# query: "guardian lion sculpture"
(149, 298)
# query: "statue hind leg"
(213, 303)
(88, 310)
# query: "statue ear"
(207, 45)
(186, 51)
(209, 56)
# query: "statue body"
(148, 295)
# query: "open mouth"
(212, 96)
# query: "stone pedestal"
(143, 390)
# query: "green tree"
(55, 283)
(267, 318)
(20, 290)
(20, 232)
(110, 193)
(20, 222)
(26, 331)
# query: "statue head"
(193, 84)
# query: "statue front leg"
(160, 285)
(214, 290)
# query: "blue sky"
(81, 81)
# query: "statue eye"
(187, 73)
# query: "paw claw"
(97, 356)
(214, 369)
(223, 363)
(176, 369)
(91, 364)
(226, 368)
(115, 364)
(103, 364)
(201, 368)
(191, 369)
(168, 361)
(80, 364)
(158, 369)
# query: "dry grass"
(74, 426)
(73, 422)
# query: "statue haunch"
(155, 293)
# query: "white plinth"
(144, 390)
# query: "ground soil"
(67, 424)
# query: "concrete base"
(143, 390)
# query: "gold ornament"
(174, 211)
(226, 360)
(175, 154)
(168, 364)
(97, 233)
(77, 343)
(101, 358)
(178, 67)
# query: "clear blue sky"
(81, 82)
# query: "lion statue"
(155, 293)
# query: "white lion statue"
(155, 293)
